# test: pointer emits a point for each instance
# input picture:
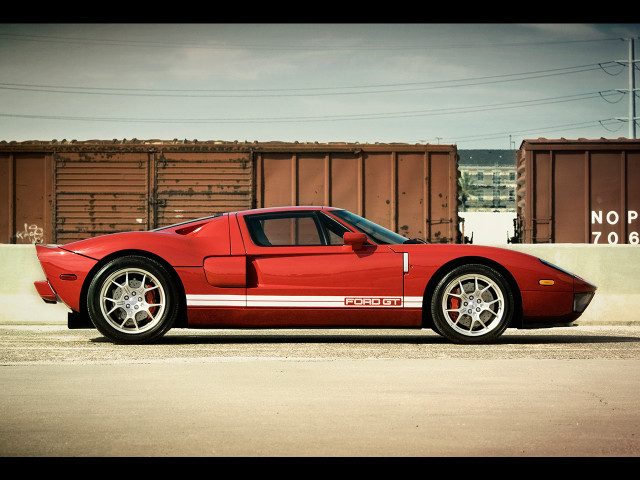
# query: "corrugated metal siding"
(99, 193)
(579, 191)
(411, 190)
(193, 185)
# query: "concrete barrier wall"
(19, 301)
(614, 269)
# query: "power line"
(332, 118)
(567, 126)
(301, 92)
(279, 46)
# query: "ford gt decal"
(301, 301)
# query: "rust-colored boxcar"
(26, 193)
(410, 189)
(578, 191)
(57, 192)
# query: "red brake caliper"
(454, 303)
(149, 298)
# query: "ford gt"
(301, 267)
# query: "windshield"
(375, 232)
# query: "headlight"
(581, 301)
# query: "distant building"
(488, 179)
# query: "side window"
(273, 230)
(333, 230)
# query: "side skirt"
(202, 317)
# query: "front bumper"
(581, 301)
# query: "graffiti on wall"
(31, 234)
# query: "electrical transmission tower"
(631, 91)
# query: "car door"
(298, 260)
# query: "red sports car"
(301, 267)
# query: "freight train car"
(58, 192)
(578, 191)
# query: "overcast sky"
(473, 85)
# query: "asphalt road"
(330, 393)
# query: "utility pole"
(632, 91)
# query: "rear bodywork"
(227, 279)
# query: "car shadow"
(421, 338)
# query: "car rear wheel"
(132, 300)
(472, 304)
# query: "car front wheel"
(472, 304)
(132, 300)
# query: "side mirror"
(355, 239)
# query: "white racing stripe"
(412, 302)
(302, 301)
(216, 301)
(295, 301)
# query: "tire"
(132, 299)
(472, 304)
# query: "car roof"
(243, 212)
(285, 209)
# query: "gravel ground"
(51, 344)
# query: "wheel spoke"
(460, 317)
(487, 310)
